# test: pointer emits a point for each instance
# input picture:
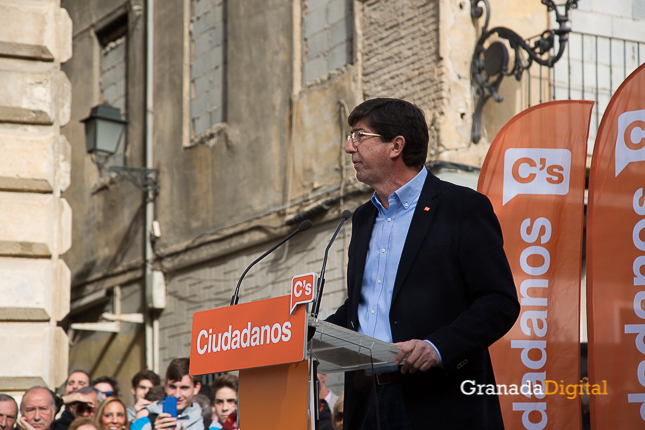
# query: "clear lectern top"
(341, 350)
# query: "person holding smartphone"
(180, 385)
(142, 382)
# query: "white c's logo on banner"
(630, 141)
(536, 171)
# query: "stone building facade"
(248, 122)
(36, 226)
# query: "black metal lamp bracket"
(489, 64)
(142, 178)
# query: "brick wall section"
(207, 66)
(327, 32)
(401, 51)
(212, 286)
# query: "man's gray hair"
(88, 390)
(38, 387)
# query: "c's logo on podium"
(302, 289)
(630, 140)
(536, 171)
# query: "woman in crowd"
(111, 415)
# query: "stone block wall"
(35, 38)
(113, 84)
(113, 81)
(207, 65)
(327, 31)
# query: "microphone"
(302, 227)
(321, 279)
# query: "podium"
(270, 347)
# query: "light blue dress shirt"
(386, 246)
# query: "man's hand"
(23, 424)
(420, 356)
(141, 403)
(77, 397)
(165, 421)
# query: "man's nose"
(37, 415)
(350, 148)
(3, 421)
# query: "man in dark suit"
(427, 271)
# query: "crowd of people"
(97, 405)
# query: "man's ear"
(134, 392)
(398, 143)
(198, 386)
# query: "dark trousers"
(390, 413)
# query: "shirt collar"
(408, 193)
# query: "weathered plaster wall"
(108, 211)
(458, 34)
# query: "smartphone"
(170, 406)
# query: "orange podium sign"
(250, 335)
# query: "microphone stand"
(321, 280)
(302, 227)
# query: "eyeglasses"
(107, 393)
(356, 136)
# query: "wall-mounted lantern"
(104, 130)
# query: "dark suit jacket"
(453, 287)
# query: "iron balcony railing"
(592, 68)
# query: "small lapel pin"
(427, 209)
